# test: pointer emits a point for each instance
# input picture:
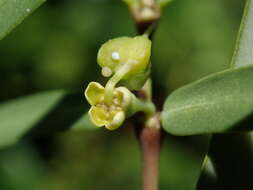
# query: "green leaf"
(211, 105)
(208, 178)
(218, 102)
(182, 161)
(18, 116)
(69, 112)
(34, 116)
(13, 12)
(244, 47)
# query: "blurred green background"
(55, 48)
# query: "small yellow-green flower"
(111, 116)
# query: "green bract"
(134, 52)
(137, 81)
(113, 115)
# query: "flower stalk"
(109, 88)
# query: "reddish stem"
(150, 141)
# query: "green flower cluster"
(127, 61)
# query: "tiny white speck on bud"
(115, 56)
(28, 10)
(106, 71)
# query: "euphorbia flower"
(101, 114)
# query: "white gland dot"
(106, 71)
(115, 56)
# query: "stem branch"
(150, 144)
(149, 134)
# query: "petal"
(98, 116)
(125, 97)
(94, 93)
(117, 121)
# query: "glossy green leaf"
(36, 115)
(70, 112)
(244, 47)
(13, 12)
(211, 105)
(18, 116)
(218, 102)
(182, 161)
(208, 177)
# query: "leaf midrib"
(185, 108)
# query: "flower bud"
(118, 52)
